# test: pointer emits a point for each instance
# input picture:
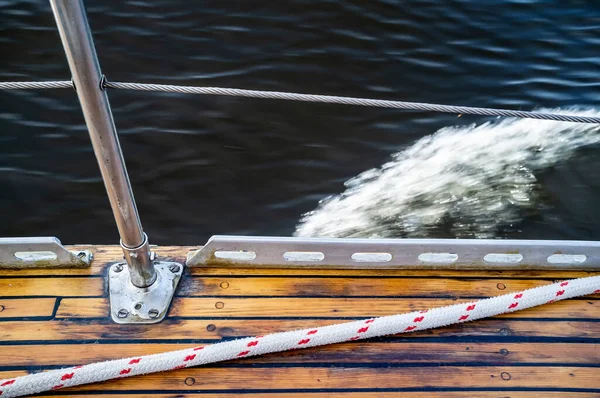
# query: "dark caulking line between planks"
(395, 339)
(243, 392)
(248, 364)
(306, 276)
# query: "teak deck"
(59, 317)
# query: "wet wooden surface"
(50, 318)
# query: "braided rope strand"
(318, 336)
(331, 99)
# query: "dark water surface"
(213, 165)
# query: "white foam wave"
(466, 180)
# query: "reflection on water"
(208, 165)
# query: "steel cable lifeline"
(35, 85)
(316, 336)
(330, 99)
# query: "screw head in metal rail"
(122, 313)
(153, 313)
(174, 268)
(118, 268)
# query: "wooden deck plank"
(220, 307)
(285, 287)
(23, 308)
(282, 287)
(216, 379)
(62, 287)
(215, 329)
(361, 352)
(348, 286)
(353, 308)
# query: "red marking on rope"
(258, 337)
(198, 348)
(78, 367)
(564, 283)
(423, 311)
(560, 293)
(303, 341)
(189, 357)
(513, 305)
(7, 383)
(58, 386)
(370, 321)
(549, 302)
(471, 307)
(362, 330)
(312, 331)
(462, 318)
(241, 354)
(125, 371)
(355, 338)
(409, 328)
(253, 343)
(518, 296)
(136, 360)
(419, 319)
(179, 367)
(597, 291)
(67, 376)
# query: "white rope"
(415, 106)
(277, 342)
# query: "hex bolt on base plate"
(131, 304)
